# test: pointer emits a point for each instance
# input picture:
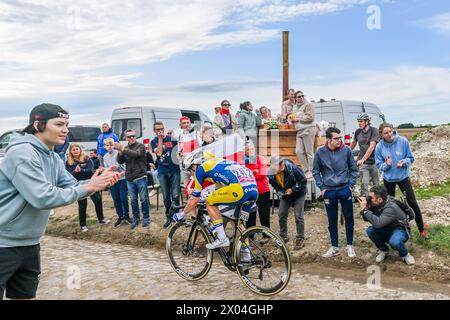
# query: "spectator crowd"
(331, 167)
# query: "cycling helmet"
(197, 157)
(363, 116)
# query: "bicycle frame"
(226, 256)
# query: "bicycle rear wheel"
(191, 260)
(263, 261)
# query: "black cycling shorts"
(20, 268)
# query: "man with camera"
(390, 223)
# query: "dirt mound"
(436, 210)
(432, 157)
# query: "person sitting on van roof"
(107, 133)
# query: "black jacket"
(87, 169)
(388, 215)
(136, 161)
(294, 179)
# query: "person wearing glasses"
(303, 115)
(393, 157)
(224, 122)
(165, 147)
(335, 172)
(133, 155)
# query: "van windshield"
(120, 125)
(84, 134)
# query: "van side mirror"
(382, 117)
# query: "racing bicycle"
(266, 273)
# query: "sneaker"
(84, 229)
(118, 223)
(176, 217)
(246, 257)
(145, 223)
(333, 251)
(127, 220)
(351, 251)
(134, 224)
(409, 259)
(218, 243)
(104, 221)
(285, 239)
(381, 256)
(167, 224)
(299, 243)
(424, 235)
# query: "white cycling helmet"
(197, 157)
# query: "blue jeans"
(119, 193)
(395, 237)
(170, 186)
(135, 188)
(332, 199)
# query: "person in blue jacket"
(393, 157)
(61, 149)
(335, 172)
(107, 133)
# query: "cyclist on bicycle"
(235, 185)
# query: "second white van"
(141, 120)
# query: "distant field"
(408, 133)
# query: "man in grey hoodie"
(33, 180)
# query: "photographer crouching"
(390, 223)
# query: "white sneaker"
(218, 243)
(84, 229)
(246, 256)
(351, 251)
(409, 259)
(381, 256)
(333, 251)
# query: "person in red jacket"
(259, 165)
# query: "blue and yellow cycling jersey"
(222, 172)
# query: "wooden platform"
(278, 142)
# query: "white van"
(85, 136)
(343, 114)
(141, 120)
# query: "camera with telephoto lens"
(369, 201)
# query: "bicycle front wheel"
(263, 261)
(187, 252)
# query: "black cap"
(45, 111)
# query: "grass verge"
(439, 239)
(441, 190)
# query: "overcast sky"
(92, 56)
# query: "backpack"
(404, 206)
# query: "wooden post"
(285, 65)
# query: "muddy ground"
(430, 265)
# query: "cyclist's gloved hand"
(178, 216)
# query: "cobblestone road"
(123, 272)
